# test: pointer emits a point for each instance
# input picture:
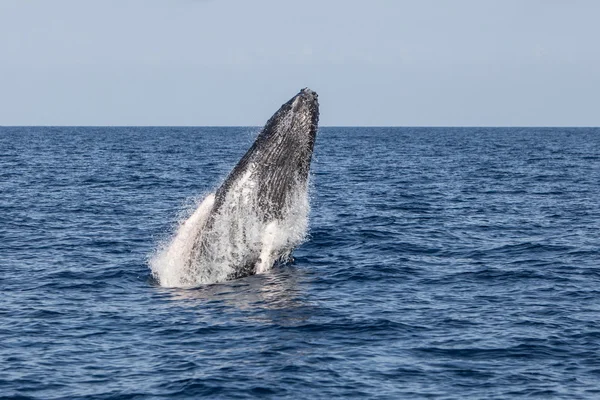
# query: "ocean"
(441, 263)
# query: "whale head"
(296, 122)
(276, 167)
(304, 107)
(284, 150)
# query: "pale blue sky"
(233, 62)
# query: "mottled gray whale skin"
(277, 166)
(282, 151)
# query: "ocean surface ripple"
(442, 263)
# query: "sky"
(234, 62)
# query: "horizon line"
(322, 126)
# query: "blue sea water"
(442, 263)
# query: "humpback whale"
(260, 212)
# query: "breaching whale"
(260, 212)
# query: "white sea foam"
(203, 251)
(169, 263)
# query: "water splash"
(210, 247)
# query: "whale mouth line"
(258, 215)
